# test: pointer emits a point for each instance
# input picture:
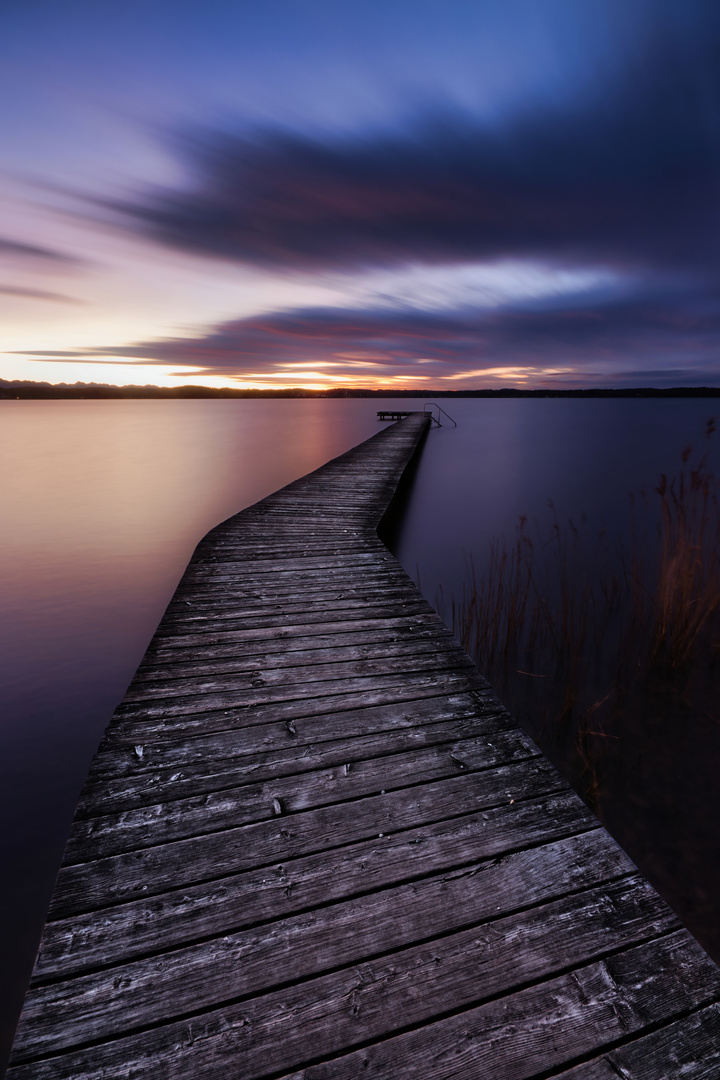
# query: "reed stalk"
(581, 637)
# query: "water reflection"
(103, 503)
(509, 457)
(658, 794)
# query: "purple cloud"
(16, 249)
(630, 178)
(591, 341)
(37, 294)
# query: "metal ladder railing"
(434, 405)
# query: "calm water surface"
(103, 503)
(659, 793)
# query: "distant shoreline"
(95, 391)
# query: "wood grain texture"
(98, 837)
(181, 915)
(542, 1027)
(313, 844)
(688, 1049)
(130, 775)
(186, 768)
(523, 1031)
(510, 950)
(92, 884)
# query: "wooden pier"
(314, 846)
(392, 414)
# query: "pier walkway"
(314, 846)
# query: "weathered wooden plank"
(233, 619)
(193, 772)
(689, 1049)
(508, 839)
(239, 568)
(598, 1069)
(217, 712)
(182, 668)
(320, 491)
(276, 643)
(371, 579)
(188, 616)
(336, 603)
(111, 834)
(297, 513)
(272, 541)
(256, 527)
(399, 661)
(201, 601)
(255, 530)
(506, 951)
(318, 586)
(191, 604)
(185, 697)
(204, 576)
(288, 635)
(532, 1029)
(393, 727)
(536, 1030)
(154, 870)
(255, 550)
(124, 731)
(402, 626)
(255, 523)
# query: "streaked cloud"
(628, 178)
(478, 285)
(20, 250)
(37, 294)
(529, 192)
(531, 345)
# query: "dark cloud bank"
(629, 181)
(677, 348)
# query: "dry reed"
(581, 637)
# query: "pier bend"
(314, 846)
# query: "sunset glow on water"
(103, 503)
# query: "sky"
(418, 194)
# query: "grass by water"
(588, 639)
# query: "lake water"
(103, 502)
